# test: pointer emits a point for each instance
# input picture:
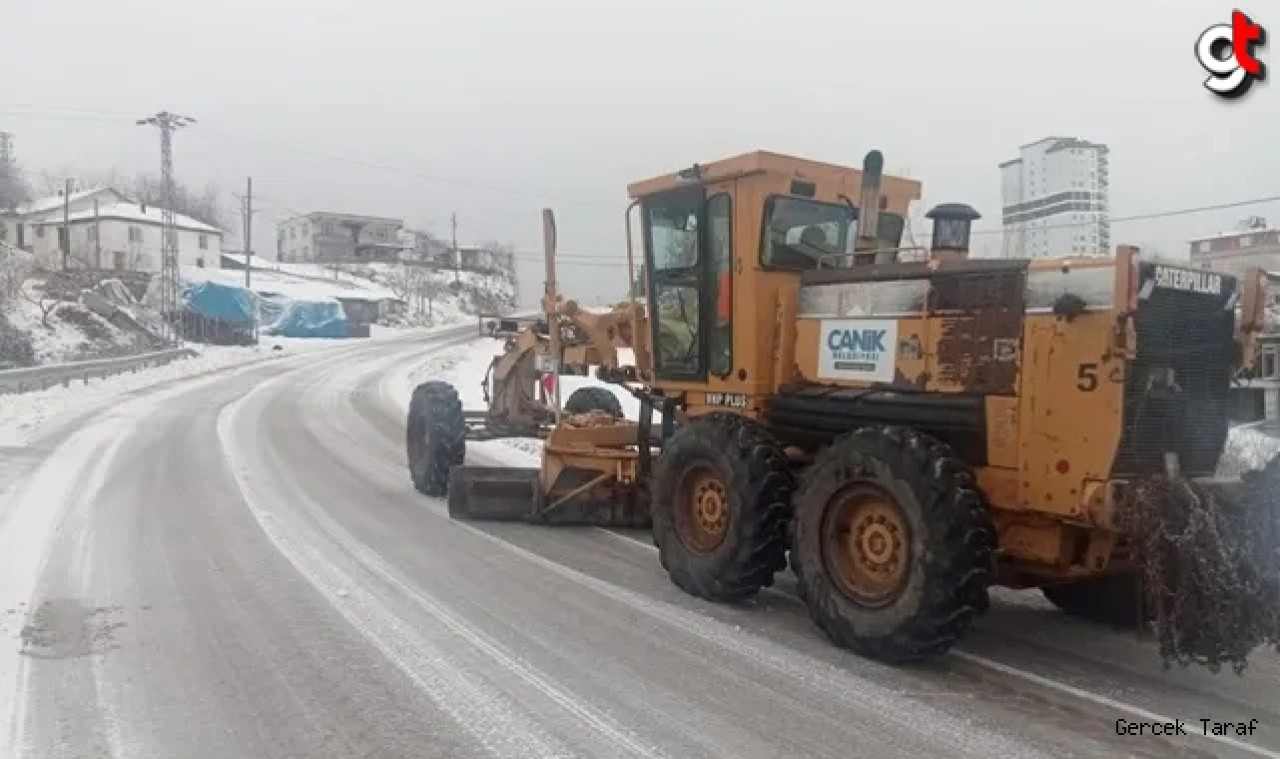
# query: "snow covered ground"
(291, 285)
(23, 418)
(1247, 449)
(73, 331)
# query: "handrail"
(919, 251)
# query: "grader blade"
(498, 494)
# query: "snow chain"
(1209, 559)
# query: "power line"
(72, 112)
(1147, 216)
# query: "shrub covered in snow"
(15, 266)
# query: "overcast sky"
(495, 109)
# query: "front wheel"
(893, 547)
(721, 500)
(435, 436)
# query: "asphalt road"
(237, 566)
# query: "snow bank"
(24, 417)
(1246, 449)
(290, 286)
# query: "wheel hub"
(702, 513)
(867, 547)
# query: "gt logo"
(1226, 51)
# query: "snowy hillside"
(431, 298)
(44, 317)
(36, 329)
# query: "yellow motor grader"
(910, 425)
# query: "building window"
(90, 233)
(40, 231)
(1203, 247)
(306, 252)
(293, 233)
(1246, 241)
(117, 259)
(135, 234)
(204, 242)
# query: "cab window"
(720, 285)
(807, 234)
(673, 240)
(799, 233)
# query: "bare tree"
(202, 205)
(400, 282)
(14, 189)
(44, 302)
(15, 266)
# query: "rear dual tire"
(893, 547)
(435, 436)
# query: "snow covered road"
(219, 568)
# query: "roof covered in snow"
(133, 212)
(54, 202)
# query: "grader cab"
(912, 425)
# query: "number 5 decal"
(1087, 377)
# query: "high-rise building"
(1055, 197)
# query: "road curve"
(238, 567)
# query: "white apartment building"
(106, 232)
(1056, 200)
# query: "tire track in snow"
(329, 392)
(387, 383)
(25, 538)
(904, 714)
(487, 715)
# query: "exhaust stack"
(867, 239)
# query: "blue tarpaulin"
(310, 319)
(224, 303)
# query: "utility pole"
(97, 236)
(65, 242)
(246, 213)
(457, 256)
(168, 123)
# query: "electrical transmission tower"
(170, 283)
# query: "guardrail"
(42, 377)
